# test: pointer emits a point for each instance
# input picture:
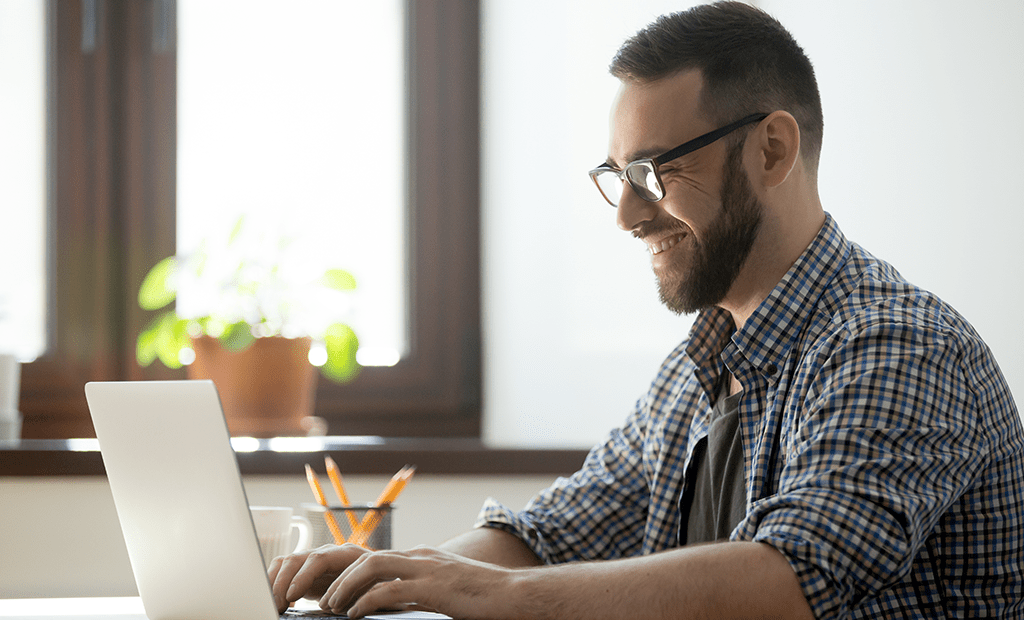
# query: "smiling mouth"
(657, 247)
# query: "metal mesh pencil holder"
(366, 516)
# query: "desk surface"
(125, 608)
(119, 608)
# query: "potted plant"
(257, 317)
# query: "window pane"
(292, 113)
(23, 178)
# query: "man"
(829, 441)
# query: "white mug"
(274, 526)
(10, 384)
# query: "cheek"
(696, 214)
(693, 199)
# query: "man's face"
(701, 232)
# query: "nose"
(633, 210)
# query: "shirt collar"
(770, 331)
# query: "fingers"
(272, 572)
(376, 573)
(425, 577)
(383, 596)
(301, 574)
(388, 580)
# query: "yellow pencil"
(318, 493)
(335, 475)
(395, 485)
(388, 495)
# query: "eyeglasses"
(642, 174)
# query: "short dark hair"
(750, 63)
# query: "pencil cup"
(373, 525)
(274, 525)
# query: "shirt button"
(771, 369)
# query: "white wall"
(573, 330)
(922, 164)
(922, 160)
(60, 536)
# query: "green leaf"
(213, 326)
(157, 288)
(338, 279)
(237, 336)
(179, 339)
(341, 343)
(145, 344)
(236, 229)
(170, 337)
(164, 338)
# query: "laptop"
(180, 500)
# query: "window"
(23, 178)
(112, 213)
(295, 119)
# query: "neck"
(780, 242)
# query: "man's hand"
(308, 574)
(427, 578)
(728, 580)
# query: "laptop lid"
(180, 500)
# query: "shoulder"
(890, 339)
(876, 301)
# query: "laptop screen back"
(180, 500)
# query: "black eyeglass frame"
(683, 149)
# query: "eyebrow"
(641, 154)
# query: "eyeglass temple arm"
(708, 138)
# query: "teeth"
(660, 246)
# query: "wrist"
(530, 592)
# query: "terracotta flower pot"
(266, 390)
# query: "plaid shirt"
(884, 456)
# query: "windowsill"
(356, 455)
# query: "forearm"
(723, 580)
(493, 546)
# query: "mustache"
(649, 228)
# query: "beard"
(717, 260)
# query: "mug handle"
(305, 528)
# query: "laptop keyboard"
(312, 613)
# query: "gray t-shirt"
(716, 497)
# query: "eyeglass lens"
(644, 180)
(641, 176)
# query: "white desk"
(120, 608)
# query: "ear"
(778, 144)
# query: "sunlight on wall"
(920, 165)
(573, 329)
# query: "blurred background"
(439, 151)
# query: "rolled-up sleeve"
(597, 513)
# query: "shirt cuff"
(494, 515)
(824, 597)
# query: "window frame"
(112, 90)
